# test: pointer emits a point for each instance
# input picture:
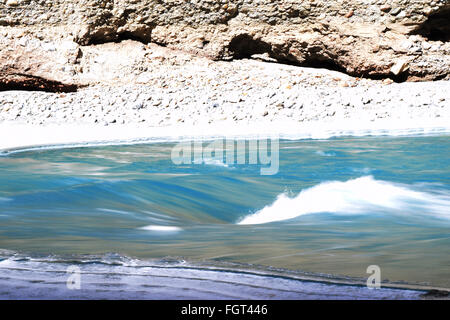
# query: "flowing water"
(335, 207)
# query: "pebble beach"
(237, 92)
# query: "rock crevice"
(25, 82)
(437, 26)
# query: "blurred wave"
(364, 195)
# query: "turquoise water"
(335, 206)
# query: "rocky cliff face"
(58, 40)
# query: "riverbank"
(41, 278)
(203, 98)
(25, 137)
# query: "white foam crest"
(211, 162)
(357, 196)
(31, 138)
(161, 228)
(325, 154)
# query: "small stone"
(349, 14)
(427, 11)
(386, 8)
(138, 106)
(401, 14)
(399, 67)
(12, 3)
(396, 11)
(266, 113)
(263, 57)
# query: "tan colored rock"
(12, 3)
(349, 14)
(385, 8)
(399, 67)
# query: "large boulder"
(400, 39)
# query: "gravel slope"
(239, 92)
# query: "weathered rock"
(364, 41)
(399, 67)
